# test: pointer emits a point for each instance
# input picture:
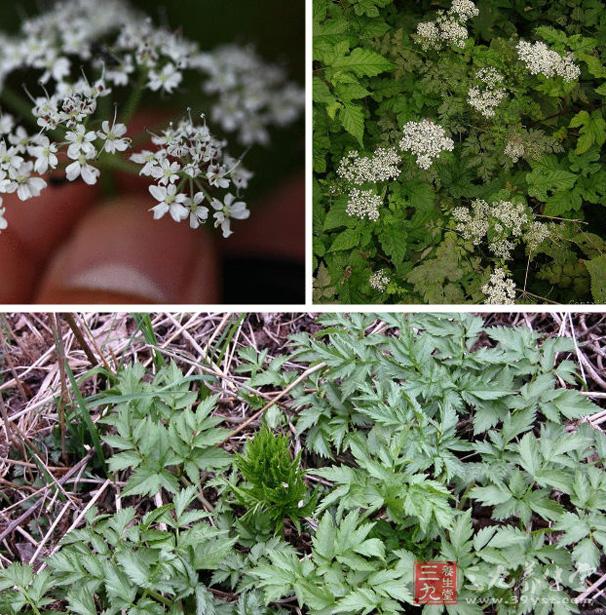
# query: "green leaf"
(362, 600)
(345, 241)
(352, 118)
(530, 458)
(393, 236)
(507, 537)
(363, 63)
(593, 130)
(545, 180)
(586, 554)
(134, 568)
(597, 270)
(491, 495)
(81, 601)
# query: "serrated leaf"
(593, 130)
(586, 554)
(345, 241)
(491, 495)
(363, 63)
(352, 118)
(530, 458)
(542, 182)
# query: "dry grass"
(45, 492)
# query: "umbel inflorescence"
(425, 140)
(75, 127)
(502, 226)
(489, 93)
(449, 28)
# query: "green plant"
(158, 434)
(517, 126)
(428, 437)
(274, 485)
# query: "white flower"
(485, 102)
(9, 157)
(502, 224)
(488, 97)
(464, 9)
(227, 210)
(452, 31)
(166, 172)
(216, 176)
(429, 35)
(426, 141)
(27, 187)
(81, 168)
(539, 59)
(515, 150)
(81, 143)
(536, 234)
(148, 159)
(379, 280)
(170, 202)
(448, 28)
(474, 225)
(6, 123)
(190, 150)
(382, 166)
(499, 290)
(119, 74)
(364, 204)
(45, 154)
(252, 95)
(19, 138)
(57, 68)
(240, 176)
(197, 215)
(114, 137)
(167, 79)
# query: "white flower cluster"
(503, 225)
(252, 94)
(187, 165)
(19, 153)
(426, 141)
(383, 165)
(123, 48)
(464, 9)
(364, 204)
(500, 289)
(515, 150)
(449, 28)
(379, 280)
(70, 29)
(536, 234)
(539, 59)
(489, 95)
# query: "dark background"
(276, 28)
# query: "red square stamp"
(435, 582)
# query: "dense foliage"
(509, 204)
(427, 437)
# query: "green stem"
(134, 99)
(31, 603)
(115, 163)
(159, 597)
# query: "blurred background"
(269, 269)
